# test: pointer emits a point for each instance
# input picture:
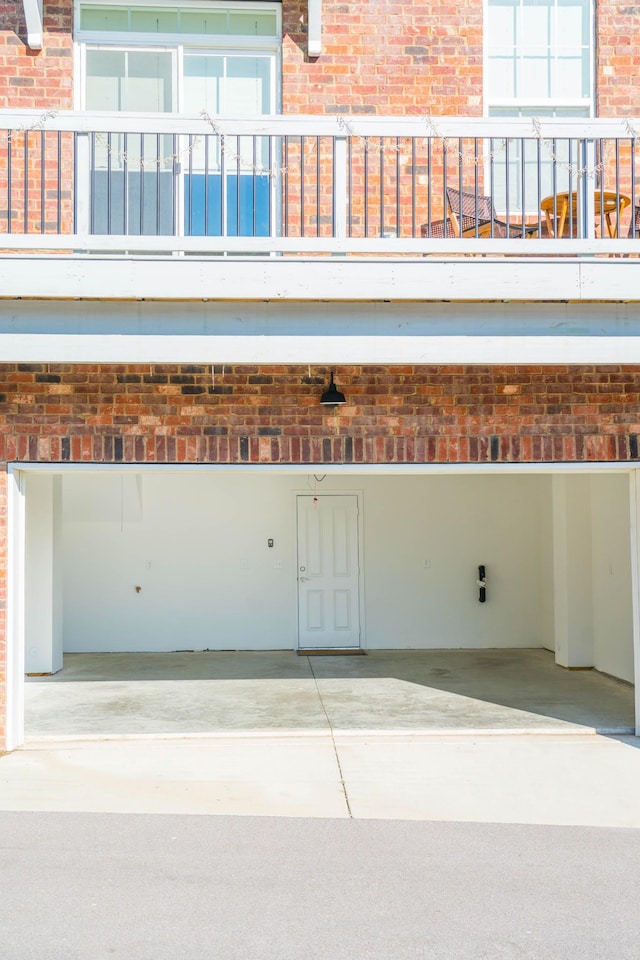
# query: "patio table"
(560, 207)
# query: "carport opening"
(170, 601)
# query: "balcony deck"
(121, 206)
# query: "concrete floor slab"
(536, 779)
(406, 690)
(583, 780)
(172, 706)
(290, 777)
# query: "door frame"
(359, 494)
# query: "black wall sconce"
(332, 396)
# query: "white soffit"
(33, 17)
(314, 28)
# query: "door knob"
(303, 579)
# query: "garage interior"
(167, 602)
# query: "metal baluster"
(223, 186)
(175, 167)
(238, 210)
(381, 175)
(125, 184)
(460, 189)
(413, 186)
(25, 173)
(492, 177)
(333, 187)
(429, 191)
(75, 182)
(254, 187)
(92, 176)
(366, 187)
(476, 183)
(158, 184)
(633, 189)
(190, 188)
(109, 183)
(317, 186)
(571, 208)
(602, 187)
(59, 194)
(207, 140)
(286, 186)
(602, 220)
(350, 183)
(302, 175)
(507, 184)
(523, 147)
(141, 184)
(445, 161)
(42, 182)
(398, 226)
(539, 179)
(554, 183)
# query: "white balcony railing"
(124, 183)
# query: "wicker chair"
(634, 225)
(471, 215)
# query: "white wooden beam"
(33, 17)
(421, 279)
(314, 28)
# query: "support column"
(572, 571)
(43, 575)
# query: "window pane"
(535, 79)
(573, 22)
(501, 25)
(148, 87)
(203, 21)
(203, 84)
(252, 24)
(104, 18)
(154, 21)
(105, 72)
(571, 77)
(502, 76)
(175, 20)
(536, 23)
(246, 89)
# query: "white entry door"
(328, 572)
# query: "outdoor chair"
(471, 215)
(634, 225)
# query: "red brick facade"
(395, 58)
(251, 414)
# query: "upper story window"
(220, 58)
(539, 57)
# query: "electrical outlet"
(427, 564)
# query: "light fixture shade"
(332, 396)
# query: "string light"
(371, 144)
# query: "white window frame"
(546, 103)
(225, 45)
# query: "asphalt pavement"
(91, 886)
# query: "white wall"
(196, 545)
(43, 575)
(611, 576)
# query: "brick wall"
(272, 414)
(32, 78)
(391, 58)
(617, 57)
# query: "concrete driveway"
(387, 690)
